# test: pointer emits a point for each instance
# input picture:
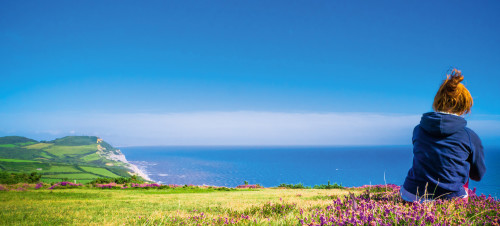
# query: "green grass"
(71, 176)
(19, 153)
(76, 140)
(58, 172)
(8, 145)
(63, 169)
(23, 166)
(91, 157)
(15, 160)
(45, 155)
(26, 143)
(138, 207)
(207, 206)
(62, 151)
(38, 146)
(100, 171)
(54, 180)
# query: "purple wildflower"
(39, 185)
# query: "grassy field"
(76, 176)
(118, 207)
(39, 146)
(16, 160)
(16, 145)
(21, 166)
(55, 172)
(91, 157)
(61, 169)
(100, 171)
(375, 205)
(71, 150)
(55, 180)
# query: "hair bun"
(452, 96)
(454, 78)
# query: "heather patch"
(65, 185)
(385, 207)
(250, 186)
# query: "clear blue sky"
(67, 58)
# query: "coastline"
(138, 171)
(230, 166)
(120, 157)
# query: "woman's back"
(445, 152)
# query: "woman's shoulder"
(472, 135)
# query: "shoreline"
(139, 172)
(120, 157)
(212, 166)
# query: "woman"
(445, 152)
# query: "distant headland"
(70, 158)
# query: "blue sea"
(273, 165)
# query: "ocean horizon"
(270, 166)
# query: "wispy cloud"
(232, 128)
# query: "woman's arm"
(476, 159)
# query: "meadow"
(152, 204)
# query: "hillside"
(80, 158)
(15, 140)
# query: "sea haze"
(271, 166)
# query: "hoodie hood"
(441, 124)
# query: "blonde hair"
(452, 96)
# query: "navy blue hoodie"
(445, 155)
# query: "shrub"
(118, 180)
(65, 185)
(223, 189)
(14, 178)
(328, 186)
(293, 186)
